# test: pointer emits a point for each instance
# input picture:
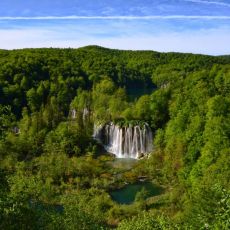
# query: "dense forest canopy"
(52, 173)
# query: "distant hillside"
(22, 70)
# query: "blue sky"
(197, 26)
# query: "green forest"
(55, 175)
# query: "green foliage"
(85, 210)
(6, 120)
(108, 102)
(159, 108)
(142, 195)
(209, 208)
(145, 221)
(67, 138)
(48, 156)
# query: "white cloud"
(210, 42)
(21, 38)
(151, 17)
(209, 2)
(213, 41)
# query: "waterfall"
(73, 113)
(125, 142)
(85, 113)
(97, 132)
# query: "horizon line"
(118, 17)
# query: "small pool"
(127, 194)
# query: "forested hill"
(52, 172)
(60, 72)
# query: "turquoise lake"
(127, 194)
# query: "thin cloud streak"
(209, 2)
(151, 17)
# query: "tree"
(6, 120)
(33, 99)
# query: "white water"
(126, 142)
(73, 113)
(97, 133)
(85, 113)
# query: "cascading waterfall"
(85, 113)
(125, 142)
(97, 132)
